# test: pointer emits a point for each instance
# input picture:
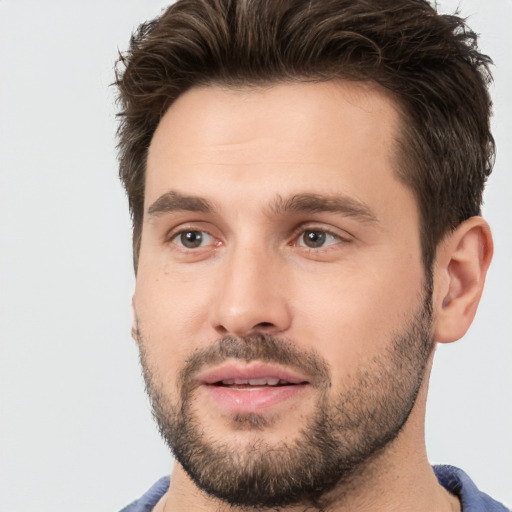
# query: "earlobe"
(463, 258)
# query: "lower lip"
(252, 400)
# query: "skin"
(240, 150)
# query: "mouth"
(251, 388)
(253, 384)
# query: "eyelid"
(171, 235)
(187, 225)
(206, 237)
(342, 235)
(330, 240)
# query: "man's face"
(282, 310)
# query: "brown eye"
(192, 239)
(316, 238)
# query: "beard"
(334, 447)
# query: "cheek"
(171, 316)
(352, 316)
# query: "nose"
(250, 296)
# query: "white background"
(75, 427)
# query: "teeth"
(258, 382)
(254, 382)
(263, 382)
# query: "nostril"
(222, 330)
(264, 325)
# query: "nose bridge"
(250, 295)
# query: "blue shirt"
(452, 479)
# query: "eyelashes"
(317, 239)
(195, 239)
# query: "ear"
(135, 327)
(462, 260)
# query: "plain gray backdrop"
(75, 426)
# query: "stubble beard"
(332, 450)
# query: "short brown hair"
(430, 63)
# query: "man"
(305, 180)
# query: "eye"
(192, 239)
(316, 239)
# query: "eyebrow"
(173, 201)
(318, 203)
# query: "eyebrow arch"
(316, 203)
(173, 201)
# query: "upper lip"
(250, 371)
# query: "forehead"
(284, 138)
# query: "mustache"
(257, 347)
